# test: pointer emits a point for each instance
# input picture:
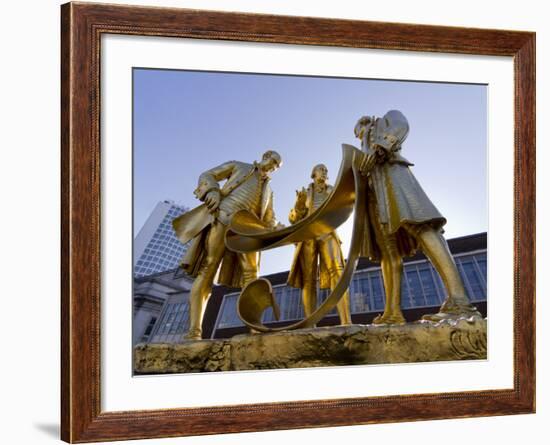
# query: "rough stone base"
(326, 346)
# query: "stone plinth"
(326, 346)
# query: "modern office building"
(422, 293)
(156, 248)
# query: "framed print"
(276, 222)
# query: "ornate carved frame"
(81, 28)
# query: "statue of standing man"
(246, 188)
(402, 218)
(317, 260)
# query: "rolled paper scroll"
(247, 233)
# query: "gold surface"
(402, 219)
(317, 262)
(246, 187)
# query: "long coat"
(296, 274)
(398, 202)
(194, 225)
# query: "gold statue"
(402, 218)
(246, 188)
(393, 217)
(318, 259)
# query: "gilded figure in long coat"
(402, 219)
(246, 188)
(317, 260)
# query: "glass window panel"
(177, 318)
(268, 316)
(429, 286)
(285, 303)
(360, 294)
(378, 296)
(416, 296)
(148, 329)
(229, 316)
(162, 321)
(472, 280)
(183, 323)
(170, 320)
(481, 260)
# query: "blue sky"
(186, 122)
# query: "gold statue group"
(395, 218)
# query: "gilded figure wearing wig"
(402, 219)
(317, 260)
(246, 187)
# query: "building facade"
(154, 296)
(422, 293)
(156, 248)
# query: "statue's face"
(320, 173)
(269, 163)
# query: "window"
(473, 269)
(414, 288)
(429, 286)
(174, 322)
(148, 329)
(289, 301)
(228, 312)
(378, 295)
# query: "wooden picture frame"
(82, 26)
